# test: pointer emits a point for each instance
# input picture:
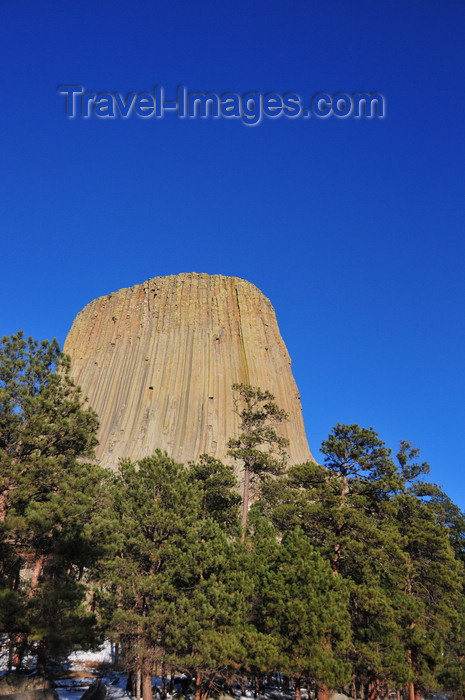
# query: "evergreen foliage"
(300, 604)
(351, 577)
(395, 540)
(47, 501)
(216, 482)
(174, 576)
(258, 447)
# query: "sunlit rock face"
(157, 363)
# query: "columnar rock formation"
(157, 363)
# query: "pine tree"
(341, 508)
(258, 447)
(431, 587)
(452, 671)
(262, 648)
(47, 497)
(173, 575)
(297, 605)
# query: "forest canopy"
(347, 575)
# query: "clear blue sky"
(353, 228)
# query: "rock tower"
(157, 362)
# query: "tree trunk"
(337, 547)
(411, 685)
(11, 652)
(256, 685)
(245, 503)
(322, 692)
(138, 683)
(163, 681)
(35, 576)
(298, 694)
(20, 649)
(335, 560)
(3, 503)
(198, 686)
(372, 690)
(42, 655)
(130, 685)
(146, 685)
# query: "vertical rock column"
(157, 363)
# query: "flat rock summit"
(157, 362)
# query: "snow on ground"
(84, 665)
(104, 655)
(74, 688)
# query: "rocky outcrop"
(26, 686)
(157, 362)
(39, 694)
(96, 691)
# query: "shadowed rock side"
(157, 362)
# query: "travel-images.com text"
(250, 108)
